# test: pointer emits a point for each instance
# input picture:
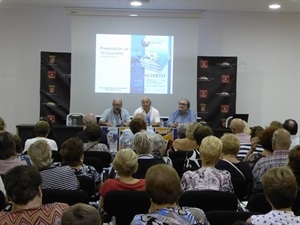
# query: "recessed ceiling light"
(133, 15)
(274, 6)
(136, 3)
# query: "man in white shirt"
(151, 113)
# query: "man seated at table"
(151, 113)
(182, 115)
(115, 116)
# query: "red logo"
(52, 118)
(224, 108)
(52, 74)
(203, 63)
(225, 79)
(203, 93)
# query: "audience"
(229, 162)
(41, 130)
(2, 124)
(294, 163)
(202, 132)
(143, 145)
(163, 189)
(281, 142)
(189, 145)
(20, 149)
(276, 123)
(54, 177)
(237, 127)
(125, 164)
(72, 156)
(81, 214)
(93, 132)
(265, 140)
(280, 188)
(159, 148)
(8, 154)
(23, 186)
(208, 177)
(89, 119)
(51, 134)
(292, 126)
(151, 113)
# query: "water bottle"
(162, 123)
(69, 122)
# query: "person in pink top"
(125, 164)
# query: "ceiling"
(207, 5)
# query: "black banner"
(216, 86)
(55, 86)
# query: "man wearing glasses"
(182, 115)
(115, 116)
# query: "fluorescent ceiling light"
(274, 6)
(136, 3)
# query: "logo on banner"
(205, 79)
(52, 118)
(203, 93)
(52, 59)
(204, 64)
(224, 108)
(224, 94)
(51, 89)
(51, 74)
(225, 79)
(203, 107)
(223, 64)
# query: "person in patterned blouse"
(163, 188)
(23, 187)
(280, 188)
(208, 177)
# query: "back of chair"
(56, 156)
(70, 197)
(125, 204)
(95, 162)
(240, 187)
(208, 200)
(105, 157)
(87, 184)
(225, 217)
(258, 203)
(145, 164)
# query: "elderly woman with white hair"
(143, 145)
(159, 148)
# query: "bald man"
(281, 142)
(115, 116)
(151, 113)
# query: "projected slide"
(134, 64)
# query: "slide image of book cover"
(155, 60)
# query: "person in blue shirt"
(182, 115)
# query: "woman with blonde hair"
(208, 177)
(125, 164)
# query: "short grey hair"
(142, 143)
(181, 130)
(157, 142)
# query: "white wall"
(266, 44)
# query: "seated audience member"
(182, 115)
(181, 130)
(116, 116)
(292, 126)
(281, 142)
(280, 188)
(265, 140)
(23, 186)
(72, 155)
(51, 134)
(2, 124)
(93, 132)
(237, 128)
(143, 145)
(137, 124)
(163, 189)
(41, 130)
(151, 113)
(8, 154)
(188, 145)
(62, 177)
(125, 164)
(81, 214)
(89, 119)
(19, 149)
(276, 123)
(229, 162)
(208, 177)
(294, 163)
(202, 132)
(159, 148)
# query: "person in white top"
(41, 130)
(151, 113)
(280, 188)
